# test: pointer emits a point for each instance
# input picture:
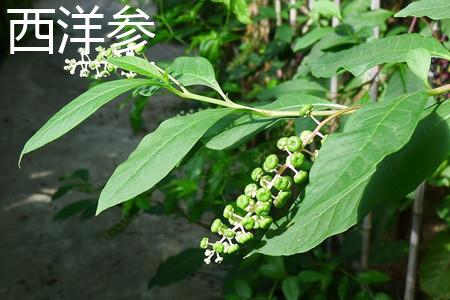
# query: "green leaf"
(78, 110)
(310, 38)
(326, 8)
(434, 273)
(136, 65)
(402, 81)
(156, 155)
(284, 34)
(72, 209)
(443, 210)
(373, 276)
(341, 173)
(195, 71)
(290, 287)
(243, 128)
(361, 58)
(296, 86)
(274, 268)
(419, 61)
(309, 276)
(434, 9)
(242, 288)
(177, 267)
(241, 10)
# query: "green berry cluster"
(271, 187)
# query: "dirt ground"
(43, 259)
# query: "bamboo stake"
(278, 12)
(292, 13)
(334, 84)
(416, 226)
(367, 223)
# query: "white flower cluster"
(100, 65)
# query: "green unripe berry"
(282, 143)
(262, 208)
(265, 222)
(204, 243)
(281, 199)
(305, 136)
(131, 45)
(294, 143)
(242, 201)
(257, 174)
(297, 159)
(270, 163)
(300, 177)
(265, 180)
(232, 248)
(263, 195)
(251, 189)
(218, 247)
(305, 110)
(228, 211)
(248, 223)
(245, 237)
(216, 225)
(228, 233)
(283, 183)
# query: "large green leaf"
(361, 58)
(136, 65)
(194, 71)
(247, 126)
(156, 155)
(434, 269)
(310, 38)
(434, 9)
(78, 110)
(342, 172)
(296, 86)
(177, 267)
(419, 61)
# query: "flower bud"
(204, 243)
(305, 110)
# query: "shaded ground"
(41, 259)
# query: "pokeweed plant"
(381, 153)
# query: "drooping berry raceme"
(100, 64)
(271, 188)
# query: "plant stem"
(332, 117)
(439, 90)
(414, 243)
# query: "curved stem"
(439, 90)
